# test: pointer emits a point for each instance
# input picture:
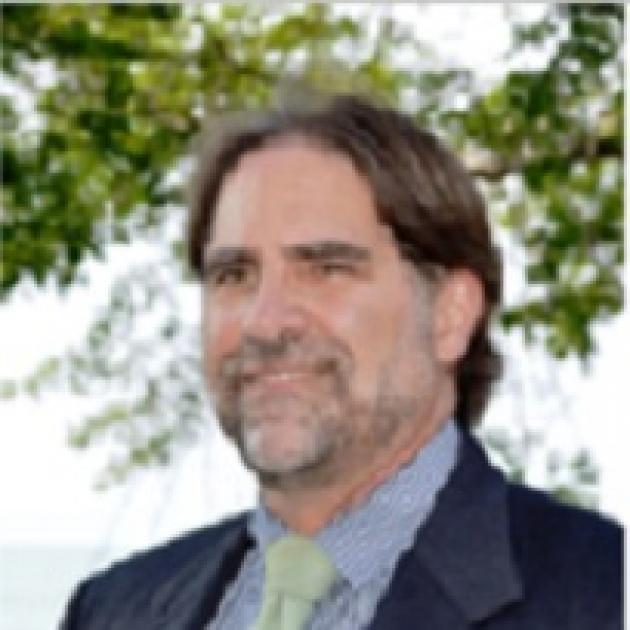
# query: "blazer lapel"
(191, 598)
(460, 569)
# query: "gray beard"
(337, 432)
(342, 431)
(321, 424)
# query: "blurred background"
(107, 439)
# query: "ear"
(459, 305)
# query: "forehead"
(293, 189)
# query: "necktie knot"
(297, 567)
(297, 574)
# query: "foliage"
(129, 85)
(132, 84)
(552, 141)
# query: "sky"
(48, 495)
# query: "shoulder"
(168, 556)
(567, 553)
(568, 561)
(147, 571)
(537, 519)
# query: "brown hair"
(422, 192)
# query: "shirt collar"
(370, 538)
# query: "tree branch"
(493, 167)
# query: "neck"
(308, 509)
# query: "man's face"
(317, 335)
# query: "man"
(349, 278)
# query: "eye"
(234, 275)
(333, 268)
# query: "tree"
(132, 84)
(552, 145)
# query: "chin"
(269, 450)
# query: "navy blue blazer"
(492, 556)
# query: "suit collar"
(461, 569)
(466, 545)
(192, 596)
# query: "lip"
(277, 378)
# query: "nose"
(274, 310)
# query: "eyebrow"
(222, 257)
(326, 250)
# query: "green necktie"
(297, 574)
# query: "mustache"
(255, 356)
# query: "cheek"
(368, 321)
(221, 335)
